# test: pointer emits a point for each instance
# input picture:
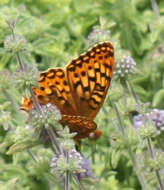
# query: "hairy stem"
(35, 101)
(67, 174)
(54, 142)
(32, 155)
(155, 8)
(148, 139)
(131, 90)
(140, 176)
(21, 65)
(81, 187)
(153, 157)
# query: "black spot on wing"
(71, 68)
(83, 73)
(86, 89)
(42, 88)
(99, 87)
(77, 84)
(97, 94)
(92, 78)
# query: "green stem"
(148, 139)
(67, 174)
(155, 8)
(153, 157)
(131, 90)
(21, 65)
(54, 142)
(35, 101)
(81, 187)
(119, 119)
(32, 155)
(140, 176)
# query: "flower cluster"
(5, 116)
(139, 120)
(14, 44)
(75, 163)
(60, 163)
(86, 166)
(98, 35)
(158, 162)
(125, 67)
(156, 116)
(26, 78)
(66, 139)
(49, 116)
(5, 82)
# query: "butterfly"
(78, 90)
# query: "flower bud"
(14, 44)
(49, 116)
(73, 163)
(125, 67)
(25, 79)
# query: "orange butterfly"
(78, 90)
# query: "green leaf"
(158, 99)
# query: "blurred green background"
(56, 31)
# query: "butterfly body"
(78, 90)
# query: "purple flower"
(86, 165)
(60, 163)
(139, 120)
(156, 116)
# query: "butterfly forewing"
(54, 85)
(89, 78)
